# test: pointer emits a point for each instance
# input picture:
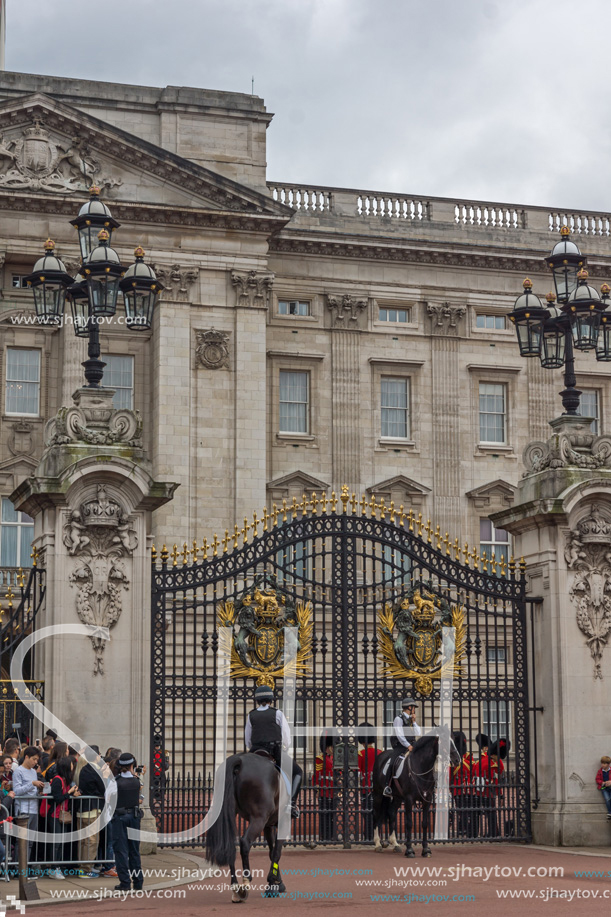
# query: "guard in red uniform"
(487, 774)
(367, 755)
(323, 778)
(460, 787)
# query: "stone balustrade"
(375, 206)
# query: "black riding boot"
(295, 790)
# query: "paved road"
(474, 877)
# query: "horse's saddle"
(398, 765)
(265, 754)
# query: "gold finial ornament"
(344, 497)
(551, 298)
(194, 550)
(565, 231)
(153, 554)
(94, 191)
(333, 501)
(21, 579)
(164, 555)
(139, 252)
(185, 553)
(49, 245)
(103, 235)
(527, 284)
(174, 556)
(582, 274)
(10, 596)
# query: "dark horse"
(253, 790)
(416, 783)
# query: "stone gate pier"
(561, 523)
(92, 497)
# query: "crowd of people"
(51, 787)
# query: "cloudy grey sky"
(497, 100)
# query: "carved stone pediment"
(401, 490)
(295, 484)
(497, 492)
(50, 146)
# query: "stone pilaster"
(74, 354)
(347, 316)
(446, 400)
(252, 300)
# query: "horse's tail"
(220, 837)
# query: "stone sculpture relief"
(588, 554)
(32, 159)
(579, 447)
(212, 349)
(176, 280)
(445, 317)
(96, 422)
(101, 538)
(346, 310)
(253, 288)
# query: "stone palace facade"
(308, 337)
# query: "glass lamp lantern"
(92, 218)
(49, 281)
(103, 272)
(140, 289)
(603, 344)
(553, 339)
(584, 309)
(528, 318)
(79, 303)
(565, 261)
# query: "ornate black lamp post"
(580, 321)
(94, 292)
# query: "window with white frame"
(18, 281)
(395, 407)
(491, 322)
(394, 315)
(293, 307)
(495, 542)
(492, 412)
(16, 534)
(496, 654)
(294, 563)
(294, 402)
(22, 381)
(589, 406)
(119, 374)
(392, 709)
(496, 717)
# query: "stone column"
(92, 497)
(253, 289)
(348, 316)
(446, 400)
(561, 523)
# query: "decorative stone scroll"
(33, 159)
(94, 420)
(575, 445)
(445, 317)
(99, 534)
(346, 310)
(176, 280)
(253, 288)
(588, 554)
(212, 349)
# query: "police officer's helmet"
(408, 702)
(264, 694)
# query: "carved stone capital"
(94, 420)
(212, 349)
(253, 288)
(346, 311)
(588, 553)
(177, 281)
(101, 536)
(445, 317)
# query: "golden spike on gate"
(503, 565)
(226, 541)
(512, 566)
(410, 519)
(522, 566)
(392, 510)
(294, 508)
(185, 554)
(274, 515)
(255, 523)
(245, 530)
(323, 501)
(353, 504)
(236, 536)
(164, 554)
(194, 550)
(382, 508)
(446, 542)
(429, 531)
(174, 556)
(284, 511)
(314, 504)
(153, 554)
(34, 555)
(265, 518)
(401, 516)
(10, 596)
(438, 538)
(475, 558)
(485, 561)
(215, 545)
(456, 547)
(419, 524)
(465, 551)
(493, 564)
(372, 506)
(333, 501)
(363, 505)
(344, 497)
(205, 549)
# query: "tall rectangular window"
(119, 374)
(22, 381)
(492, 412)
(495, 542)
(294, 402)
(496, 716)
(395, 408)
(589, 407)
(300, 720)
(293, 307)
(16, 534)
(396, 567)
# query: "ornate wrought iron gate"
(369, 588)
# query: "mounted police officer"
(406, 729)
(267, 729)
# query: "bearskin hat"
(366, 734)
(460, 740)
(482, 740)
(500, 748)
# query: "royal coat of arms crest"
(410, 634)
(258, 618)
